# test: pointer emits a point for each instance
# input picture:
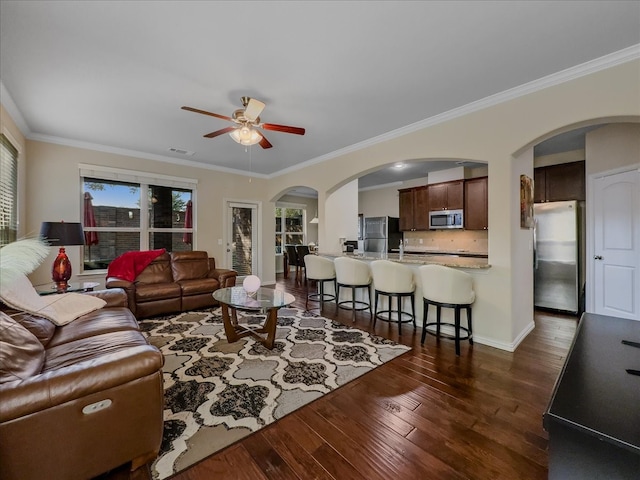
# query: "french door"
(242, 238)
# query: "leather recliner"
(81, 399)
(175, 282)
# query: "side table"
(78, 288)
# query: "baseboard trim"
(509, 347)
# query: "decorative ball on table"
(251, 284)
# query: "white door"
(616, 246)
(242, 238)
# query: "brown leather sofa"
(175, 282)
(94, 403)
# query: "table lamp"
(61, 234)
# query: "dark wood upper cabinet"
(476, 206)
(554, 183)
(446, 196)
(421, 208)
(414, 208)
(406, 209)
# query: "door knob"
(597, 257)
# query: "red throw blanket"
(130, 264)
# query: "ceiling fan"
(247, 119)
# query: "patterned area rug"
(218, 392)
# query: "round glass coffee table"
(266, 301)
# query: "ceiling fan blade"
(220, 132)
(203, 112)
(282, 128)
(264, 143)
(253, 109)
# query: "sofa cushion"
(42, 328)
(189, 265)
(20, 295)
(198, 286)
(106, 320)
(60, 309)
(91, 348)
(156, 291)
(21, 353)
(158, 271)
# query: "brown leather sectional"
(175, 282)
(95, 400)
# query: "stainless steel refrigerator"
(557, 252)
(381, 234)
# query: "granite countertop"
(413, 259)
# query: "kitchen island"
(474, 266)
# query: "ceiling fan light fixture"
(245, 136)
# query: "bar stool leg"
(413, 312)
(353, 303)
(321, 295)
(375, 313)
(425, 313)
(457, 327)
(469, 325)
(337, 297)
(398, 308)
(438, 320)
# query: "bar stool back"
(353, 274)
(321, 270)
(393, 280)
(449, 288)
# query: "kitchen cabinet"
(414, 208)
(476, 205)
(555, 183)
(446, 196)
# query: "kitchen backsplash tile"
(475, 241)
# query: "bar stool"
(393, 280)
(321, 270)
(353, 274)
(450, 288)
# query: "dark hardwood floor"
(425, 414)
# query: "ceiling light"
(245, 136)
(399, 165)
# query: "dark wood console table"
(593, 418)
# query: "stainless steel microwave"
(442, 219)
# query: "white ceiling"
(114, 74)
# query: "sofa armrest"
(47, 390)
(115, 297)
(128, 287)
(226, 277)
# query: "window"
(121, 216)
(290, 226)
(8, 191)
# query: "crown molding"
(137, 154)
(592, 66)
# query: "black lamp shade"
(60, 234)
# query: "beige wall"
(54, 193)
(494, 135)
(499, 135)
(611, 147)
